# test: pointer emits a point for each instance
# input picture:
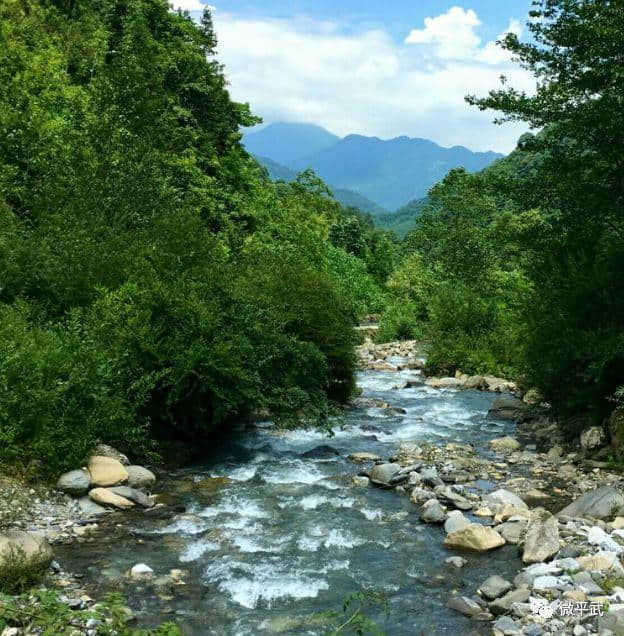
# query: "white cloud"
(452, 33)
(492, 53)
(305, 70)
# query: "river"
(272, 534)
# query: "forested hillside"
(390, 172)
(520, 269)
(348, 198)
(404, 219)
(155, 285)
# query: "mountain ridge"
(388, 172)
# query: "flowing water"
(274, 534)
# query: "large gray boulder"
(464, 605)
(420, 495)
(541, 541)
(89, 508)
(601, 503)
(513, 530)
(30, 546)
(133, 495)
(494, 587)
(612, 621)
(430, 477)
(503, 604)
(139, 477)
(381, 474)
(502, 497)
(75, 482)
(433, 512)
(455, 521)
(452, 498)
(507, 408)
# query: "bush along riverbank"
(571, 579)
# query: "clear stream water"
(287, 536)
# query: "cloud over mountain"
(366, 82)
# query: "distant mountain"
(276, 171)
(348, 198)
(390, 173)
(284, 142)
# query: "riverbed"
(271, 532)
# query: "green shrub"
(354, 282)
(405, 313)
(400, 321)
(19, 573)
(42, 612)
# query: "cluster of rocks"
(572, 570)
(573, 579)
(72, 593)
(410, 354)
(390, 356)
(526, 407)
(34, 519)
(108, 481)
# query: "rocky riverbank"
(36, 519)
(570, 577)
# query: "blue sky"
(397, 16)
(399, 67)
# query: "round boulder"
(75, 482)
(32, 547)
(381, 474)
(106, 471)
(433, 512)
(139, 477)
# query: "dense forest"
(155, 285)
(520, 268)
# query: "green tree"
(154, 285)
(575, 314)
